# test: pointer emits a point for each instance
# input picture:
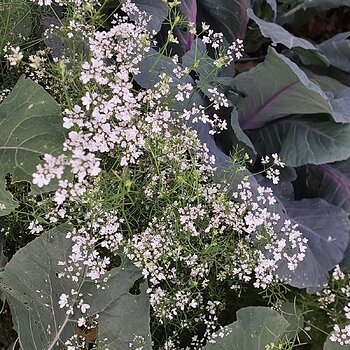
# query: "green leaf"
(240, 135)
(337, 50)
(302, 140)
(227, 16)
(30, 126)
(338, 95)
(279, 35)
(331, 345)
(254, 329)
(157, 9)
(277, 88)
(32, 288)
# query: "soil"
(7, 334)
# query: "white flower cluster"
(191, 232)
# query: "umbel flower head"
(142, 183)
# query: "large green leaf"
(227, 16)
(303, 140)
(277, 88)
(30, 125)
(337, 50)
(32, 288)
(254, 329)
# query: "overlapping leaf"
(338, 95)
(277, 88)
(30, 125)
(304, 140)
(227, 16)
(33, 293)
(157, 9)
(337, 50)
(279, 35)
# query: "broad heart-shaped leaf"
(32, 288)
(327, 229)
(331, 345)
(325, 4)
(30, 125)
(155, 8)
(277, 88)
(279, 35)
(254, 329)
(227, 16)
(337, 50)
(304, 140)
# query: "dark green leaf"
(277, 88)
(155, 8)
(279, 35)
(227, 16)
(30, 125)
(302, 140)
(337, 50)
(33, 293)
(338, 95)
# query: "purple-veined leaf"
(301, 140)
(337, 50)
(189, 9)
(227, 16)
(277, 88)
